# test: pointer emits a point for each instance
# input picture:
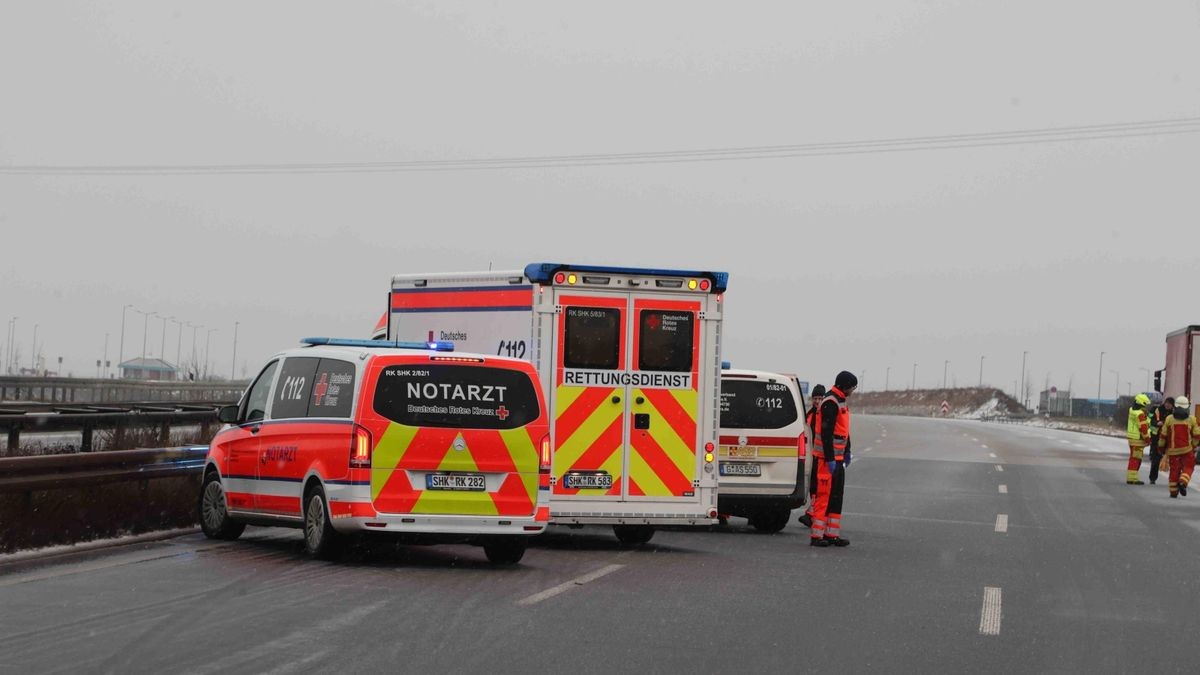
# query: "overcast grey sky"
(860, 261)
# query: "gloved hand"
(834, 466)
(848, 458)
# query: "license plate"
(588, 481)
(473, 482)
(740, 469)
(741, 452)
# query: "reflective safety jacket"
(1138, 428)
(833, 422)
(1178, 437)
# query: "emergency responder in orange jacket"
(832, 452)
(1163, 407)
(1137, 432)
(1179, 438)
(810, 419)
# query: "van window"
(756, 404)
(295, 385)
(666, 341)
(459, 397)
(333, 389)
(259, 394)
(593, 337)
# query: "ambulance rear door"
(626, 408)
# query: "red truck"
(1183, 346)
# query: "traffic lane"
(191, 601)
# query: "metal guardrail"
(87, 419)
(26, 474)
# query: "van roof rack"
(437, 345)
(542, 273)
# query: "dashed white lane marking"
(992, 455)
(1002, 522)
(984, 447)
(566, 586)
(1003, 489)
(1000, 468)
(974, 440)
(989, 620)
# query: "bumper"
(451, 525)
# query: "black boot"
(805, 520)
(837, 541)
(1182, 490)
(821, 542)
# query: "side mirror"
(228, 414)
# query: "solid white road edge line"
(1002, 522)
(989, 619)
(566, 586)
(1003, 489)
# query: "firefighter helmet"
(1141, 399)
(1182, 402)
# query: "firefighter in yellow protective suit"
(1178, 440)
(1137, 431)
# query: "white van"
(763, 447)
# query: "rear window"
(666, 341)
(314, 387)
(756, 404)
(593, 337)
(454, 396)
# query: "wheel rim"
(314, 522)
(213, 508)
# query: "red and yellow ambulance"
(630, 364)
(352, 436)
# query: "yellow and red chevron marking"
(662, 461)
(589, 436)
(403, 448)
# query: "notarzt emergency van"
(763, 447)
(630, 363)
(348, 436)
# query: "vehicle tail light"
(802, 447)
(708, 451)
(544, 461)
(704, 284)
(360, 449)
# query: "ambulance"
(630, 364)
(409, 439)
(763, 447)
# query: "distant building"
(148, 369)
(1058, 403)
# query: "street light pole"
(162, 348)
(945, 369)
(193, 362)
(105, 355)
(1117, 386)
(1024, 403)
(1099, 383)
(233, 366)
(207, 341)
(178, 343)
(12, 337)
(887, 375)
(981, 372)
(33, 358)
(914, 382)
(121, 351)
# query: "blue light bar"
(726, 365)
(437, 346)
(543, 273)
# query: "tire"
(506, 551)
(320, 539)
(215, 521)
(633, 534)
(772, 521)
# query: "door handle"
(616, 399)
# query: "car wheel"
(771, 521)
(507, 551)
(320, 539)
(633, 534)
(214, 518)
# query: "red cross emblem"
(320, 389)
(502, 413)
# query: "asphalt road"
(975, 547)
